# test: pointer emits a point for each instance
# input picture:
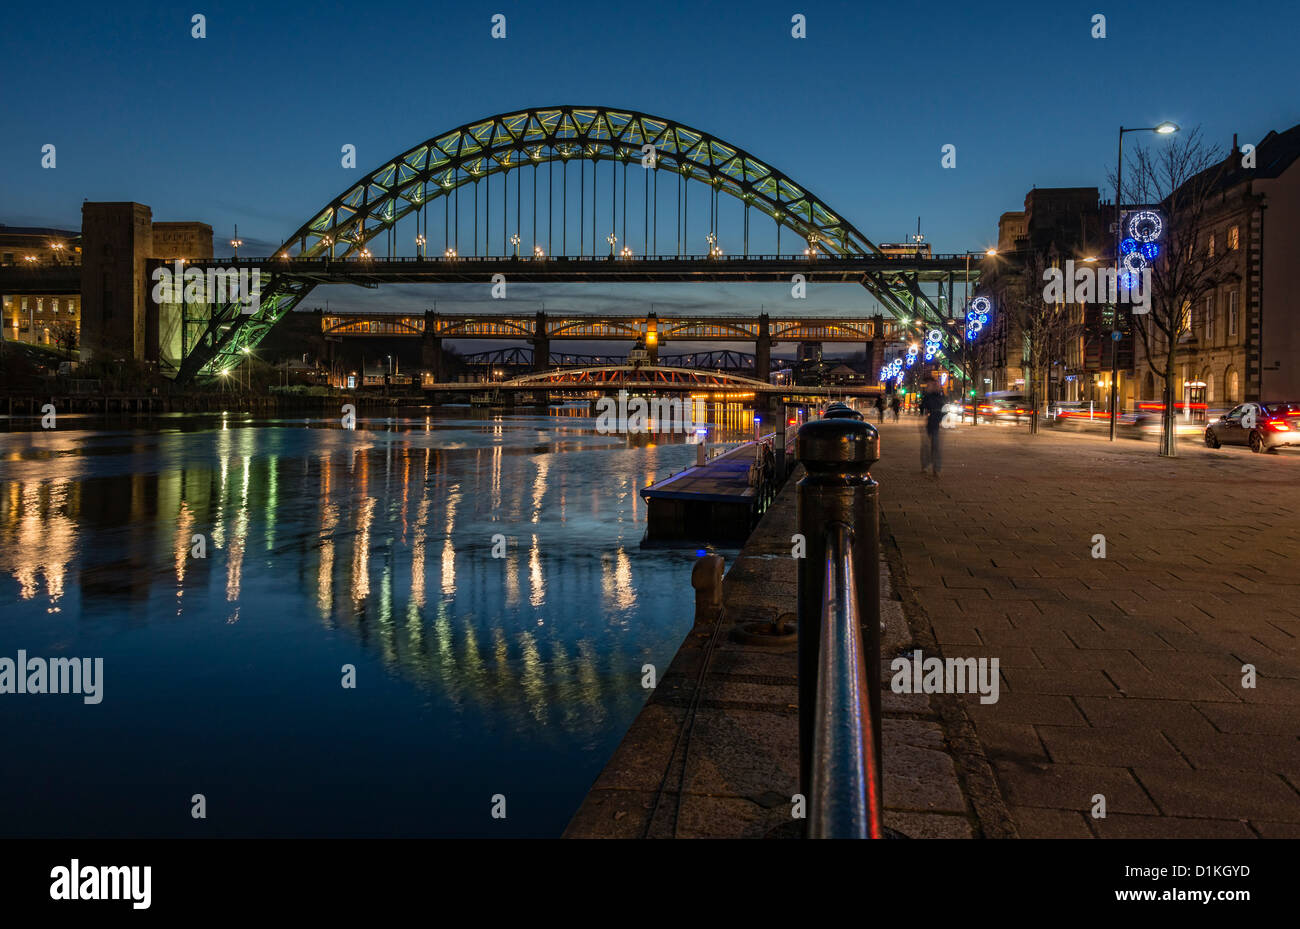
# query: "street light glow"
(1167, 128)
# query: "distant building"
(810, 352)
(1058, 224)
(40, 319)
(120, 318)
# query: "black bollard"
(837, 514)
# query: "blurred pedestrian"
(931, 408)
(880, 409)
(895, 404)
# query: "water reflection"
(385, 538)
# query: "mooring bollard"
(706, 578)
(837, 512)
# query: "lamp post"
(1165, 128)
(988, 253)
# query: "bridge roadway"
(822, 268)
(651, 327)
(888, 271)
(649, 378)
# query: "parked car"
(1265, 427)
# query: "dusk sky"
(245, 127)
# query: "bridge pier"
(763, 351)
(431, 346)
(541, 344)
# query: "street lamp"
(1165, 128)
(988, 253)
(236, 242)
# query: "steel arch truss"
(439, 166)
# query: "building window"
(1234, 238)
(1232, 314)
(1185, 318)
(24, 304)
(1209, 319)
(1232, 386)
(1210, 253)
(54, 305)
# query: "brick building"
(1243, 338)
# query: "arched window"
(1209, 385)
(1231, 385)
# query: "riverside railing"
(839, 628)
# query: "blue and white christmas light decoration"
(977, 316)
(893, 370)
(933, 344)
(1139, 248)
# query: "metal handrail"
(840, 745)
(846, 801)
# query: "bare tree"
(1043, 327)
(1177, 179)
(63, 334)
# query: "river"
(476, 576)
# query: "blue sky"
(245, 126)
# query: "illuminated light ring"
(1133, 262)
(1127, 279)
(1145, 226)
(1128, 246)
(981, 305)
(1150, 250)
(934, 335)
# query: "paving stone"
(1220, 794)
(1122, 826)
(1121, 747)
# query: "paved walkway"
(736, 747)
(1121, 676)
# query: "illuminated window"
(1211, 246)
(1234, 238)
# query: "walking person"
(931, 408)
(895, 404)
(880, 409)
